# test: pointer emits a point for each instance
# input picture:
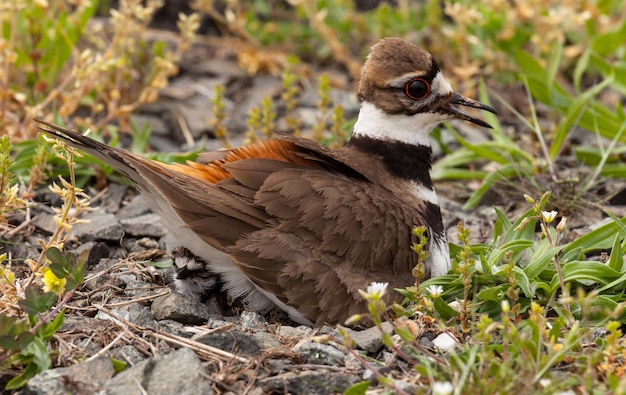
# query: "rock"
(426, 341)
(214, 67)
(97, 251)
(266, 340)
(369, 339)
(20, 249)
(128, 354)
(121, 279)
(148, 243)
(148, 224)
(180, 372)
(234, 341)
(45, 222)
(173, 327)
(321, 354)
(293, 333)
(137, 206)
(353, 363)
(182, 308)
(445, 342)
(198, 113)
(139, 289)
(141, 315)
(310, 383)
(112, 200)
(158, 127)
(118, 312)
(409, 388)
(84, 378)
(253, 321)
(100, 228)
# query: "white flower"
(545, 383)
(442, 388)
(434, 290)
(549, 216)
(375, 291)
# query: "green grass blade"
(574, 115)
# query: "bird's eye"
(417, 88)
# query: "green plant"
(290, 94)
(219, 115)
(508, 304)
(33, 305)
(112, 77)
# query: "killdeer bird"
(287, 222)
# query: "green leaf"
(164, 264)
(615, 285)
(444, 310)
(54, 255)
(514, 245)
(118, 366)
(616, 261)
(53, 326)
(35, 301)
(607, 43)
(491, 293)
(19, 381)
(77, 271)
(507, 171)
(581, 67)
(574, 115)
(586, 272)
(358, 388)
(556, 54)
(39, 350)
(526, 233)
(541, 259)
(523, 282)
(141, 138)
(58, 269)
(502, 224)
(598, 239)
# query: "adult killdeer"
(290, 223)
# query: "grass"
(533, 308)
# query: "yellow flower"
(51, 283)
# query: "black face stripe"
(407, 161)
(432, 216)
(432, 72)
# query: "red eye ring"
(417, 88)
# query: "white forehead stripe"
(440, 85)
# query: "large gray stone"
(321, 354)
(310, 383)
(235, 341)
(182, 308)
(84, 378)
(137, 206)
(180, 372)
(370, 339)
(148, 224)
(100, 228)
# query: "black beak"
(467, 102)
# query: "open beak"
(459, 100)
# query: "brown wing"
(326, 242)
